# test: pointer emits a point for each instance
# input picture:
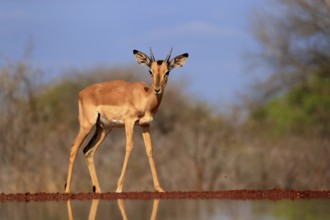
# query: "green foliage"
(305, 109)
(58, 103)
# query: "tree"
(295, 49)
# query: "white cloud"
(196, 28)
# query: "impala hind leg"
(83, 132)
(89, 150)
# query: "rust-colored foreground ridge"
(273, 194)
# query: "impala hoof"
(159, 189)
(66, 190)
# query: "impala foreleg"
(89, 151)
(129, 147)
(148, 145)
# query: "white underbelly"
(112, 123)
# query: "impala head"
(159, 69)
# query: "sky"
(86, 34)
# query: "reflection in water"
(122, 209)
(68, 205)
(92, 210)
(169, 209)
(121, 206)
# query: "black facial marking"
(95, 137)
(94, 189)
(159, 62)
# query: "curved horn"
(167, 59)
(152, 55)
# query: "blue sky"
(86, 34)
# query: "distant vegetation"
(278, 138)
(295, 48)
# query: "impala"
(122, 104)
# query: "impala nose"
(157, 91)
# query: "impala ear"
(178, 61)
(142, 58)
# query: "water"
(168, 209)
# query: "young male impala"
(118, 104)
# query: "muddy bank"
(273, 194)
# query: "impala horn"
(152, 55)
(167, 59)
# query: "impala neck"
(154, 100)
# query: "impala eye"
(167, 73)
(150, 73)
